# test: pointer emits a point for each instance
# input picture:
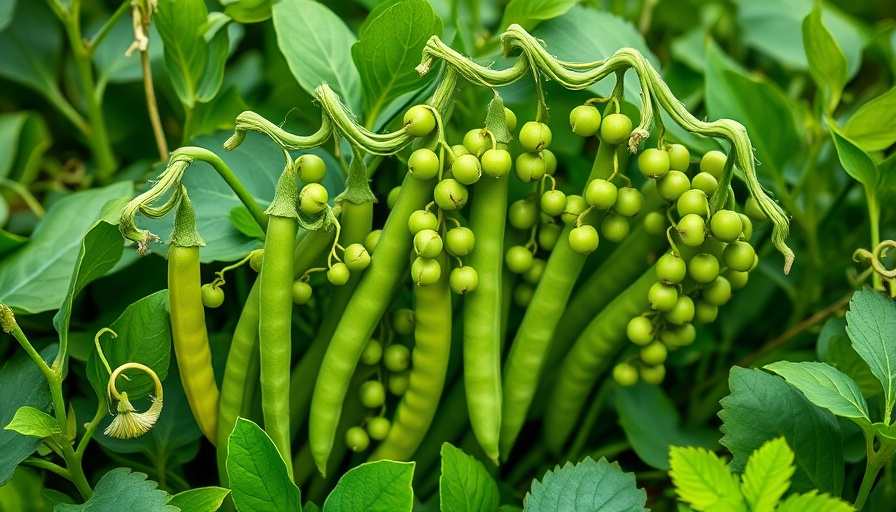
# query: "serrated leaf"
(528, 13)
(257, 473)
(873, 126)
(29, 421)
(871, 325)
(465, 485)
(826, 387)
(381, 486)
(120, 489)
(762, 407)
(767, 475)
(203, 499)
(703, 480)
(812, 501)
(144, 336)
(389, 49)
(496, 120)
(50, 256)
(827, 63)
(322, 52)
(22, 384)
(855, 162)
(589, 485)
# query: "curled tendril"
(873, 258)
(130, 423)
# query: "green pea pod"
(483, 313)
(530, 345)
(432, 346)
(366, 307)
(590, 356)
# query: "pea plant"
(487, 256)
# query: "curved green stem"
(107, 27)
(47, 466)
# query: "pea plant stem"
(48, 466)
(152, 106)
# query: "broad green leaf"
(29, 421)
(528, 13)
(827, 64)
(381, 486)
(389, 50)
(871, 325)
(25, 492)
(310, 507)
(826, 387)
(317, 46)
(257, 163)
(842, 356)
(122, 489)
(873, 126)
(32, 49)
(242, 220)
(704, 481)
(173, 441)
(773, 27)
(101, 249)
(812, 501)
(652, 425)
(767, 475)
(144, 336)
(195, 49)
(217, 114)
(258, 477)
(23, 140)
(203, 499)
(855, 162)
(762, 407)
(248, 11)
(51, 254)
(759, 105)
(22, 384)
(465, 485)
(584, 35)
(10, 241)
(595, 486)
(7, 9)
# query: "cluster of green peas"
(709, 257)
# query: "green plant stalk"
(101, 409)
(875, 461)
(48, 466)
(197, 153)
(107, 27)
(874, 219)
(97, 135)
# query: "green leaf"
(528, 13)
(773, 27)
(195, 49)
(652, 425)
(381, 486)
(583, 34)
(317, 46)
(826, 387)
(248, 11)
(172, 441)
(25, 492)
(32, 49)
(50, 256)
(842, 356)
(258, 477)
(703, 480)
(203, 499)
(389, 50)
(29, 421)
(767, 475)
(812, 501)
(589, 485)
(10, 241)
(144, 336)
(827, 63)
(7, 9)
(762, 407)
(496, 120)
(871, 325)
(121, 489)
(759, 105)
(243, 221)
(855, 162)
(465, 485)
(22, 385)
(101, 248)
(24, 139)
(886, 188)
(257, 163)
(217, 114)
(873, 126)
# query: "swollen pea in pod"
(194, 358)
